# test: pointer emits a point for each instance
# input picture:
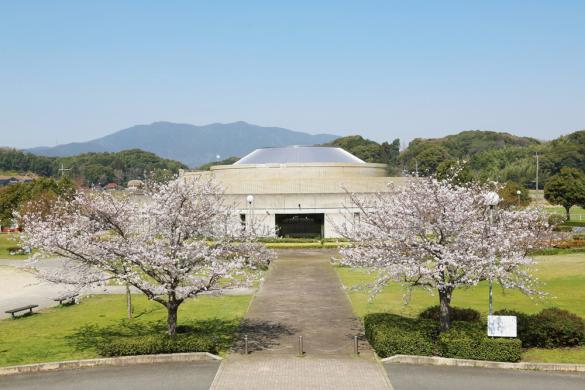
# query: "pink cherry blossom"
(177, 241)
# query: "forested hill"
(92, 168)
(498, 156)
(463, 145)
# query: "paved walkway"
(302, 296)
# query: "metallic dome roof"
(299, 155)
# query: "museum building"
(297, 191)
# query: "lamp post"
(518, 193)
(491, 200)
(250, 201)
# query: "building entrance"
(300, 225)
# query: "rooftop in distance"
(299, 154)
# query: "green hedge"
(555, 251)
(555, 328)
(154, 344)
(391, 334)
(465, 340)
(573, 223)
(551, 328)
(455, 313)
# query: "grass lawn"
(563, 277)
(577, 213)
(71, 332)
(9, 240)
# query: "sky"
(77, 70)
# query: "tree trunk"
(172, 309)
(568, 211)
(129, 301)
(445, 304)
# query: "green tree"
(44, 190)
(428, 161)
(455, 171)
(566, 189)
(514, 195)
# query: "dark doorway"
(300, 225)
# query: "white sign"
(501, 326)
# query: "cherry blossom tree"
(438, 235)
(176, 242)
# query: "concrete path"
(415, 377)
(301, 296)
(280, 372)
(176, 376)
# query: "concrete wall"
(298, 189)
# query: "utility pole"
(537, 169)
(416, 167)
(63, 169)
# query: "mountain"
(190, 144)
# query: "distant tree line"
(496, 156)
(371, 151)
(227, 161)
(90, 169)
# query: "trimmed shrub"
(455, 313)
(550, 328)
(556, 219)
(555, 328)
(465, 340)
(154, 344)
(390, 335)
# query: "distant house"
(135, 185)
(111, 186)
(7, 180)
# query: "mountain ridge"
(193, 145)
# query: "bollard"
(245, 344)
(301, 353)
(355, 346)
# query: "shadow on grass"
(89, 336)
(17, 317)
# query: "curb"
(104, 362)
(441, 361)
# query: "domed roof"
(299, 154)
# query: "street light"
(518, 192)
(250, 200)
(491, 200)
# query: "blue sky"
(76, 70)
